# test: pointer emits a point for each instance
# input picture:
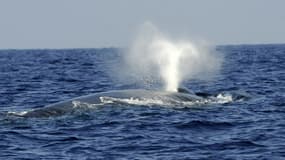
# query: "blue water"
(249, 129)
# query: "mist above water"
(155, 57)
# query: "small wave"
(234, 144)
(234, 96)
(155, 101)
(219, 99)
(132, 101)
(79, 104)
(224, 98)
(17, 113)
(204, 124)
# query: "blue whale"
(64, 107)
(183, 96)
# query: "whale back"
(63, 107)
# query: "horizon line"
(117, 47)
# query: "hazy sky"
(105, 23)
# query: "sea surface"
(251, 128)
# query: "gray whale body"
(182, 98)
(64, 107)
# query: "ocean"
(247, 128)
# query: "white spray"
(155, 56)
